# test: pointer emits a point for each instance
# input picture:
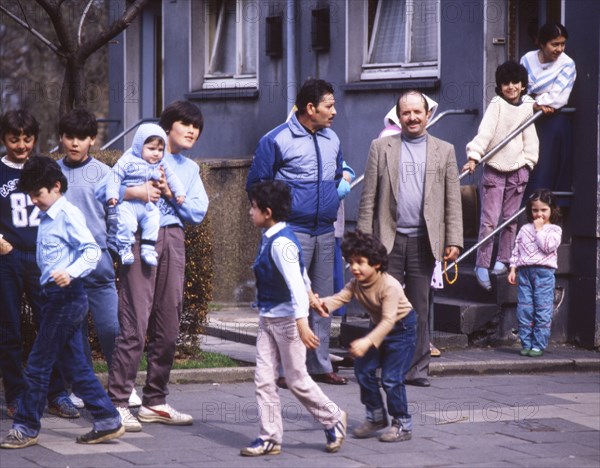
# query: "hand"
(512, 276)
(163, 185)
(347, 176)
(61, 278)
(451, 253)
(5, 247)
(148, 192)
(538, 223)
(469, 166)
(544, 109)
(112, 202)
(358, 348)
(317, 304)
(180, 199)
(310, 340)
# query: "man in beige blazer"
(411, 201)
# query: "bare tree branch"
(34, 32)
(117, 27)
(83, 15)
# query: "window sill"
(420, 84)
(224, 93)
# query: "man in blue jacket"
(306, 154)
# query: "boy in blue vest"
(66, 251)
(283, 290)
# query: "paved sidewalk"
(549, 420)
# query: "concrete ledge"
(220, 375)
(514, 366)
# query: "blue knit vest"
(271, 287)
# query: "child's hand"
(544, 109)
(180, 199)
(358, 348)
(469, 166)
(317, 304)
(112, 202)
(61, 278)
(538, 223)
(310, 340)
(512, 276)
(5, 246)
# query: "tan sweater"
(384, 299)
(499, 120)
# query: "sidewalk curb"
(225, 375)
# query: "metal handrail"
(435, 120)
(495, 231)
(504, 142)
(125, 132)
(510, 136)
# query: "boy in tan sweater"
(390, 343)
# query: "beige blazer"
(442, 205)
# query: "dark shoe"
(395, 433)
(330, 378)
(96, 437)
(369, 428)
(420, 382)
(63, 408)
(16, 440)
(281, 383)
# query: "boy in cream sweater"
(390, 343)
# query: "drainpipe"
(291, 77)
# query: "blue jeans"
(394, 357)
(535, 305)
(104, 305)
(59, 341)
(19, 274)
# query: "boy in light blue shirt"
(66, 251)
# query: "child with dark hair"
(283, 291)
(532, 265)
(140, 164)
(66, 252)
(390, 343)
(78, 129)
(151, 297)
(506, 174)
(19, 273)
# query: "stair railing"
(433, 121)
(495, 231)
(125, 132)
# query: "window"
(398, 39)
(225, 46)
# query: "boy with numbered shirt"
(19, 273)
(283, 290)
(390, 342)
(77, 131)
(66, 251)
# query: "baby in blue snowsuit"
(140, 164)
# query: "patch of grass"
(203, 360)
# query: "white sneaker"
(164, 414)
(499, 268)
(77, 402)
(129, 421)
(134, 400)
(483, 278)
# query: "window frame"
(205, 42)
(359, 68)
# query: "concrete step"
(358, 327)
(467, 288)
(462, 317)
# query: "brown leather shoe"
(330, 378)
(281, 383)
